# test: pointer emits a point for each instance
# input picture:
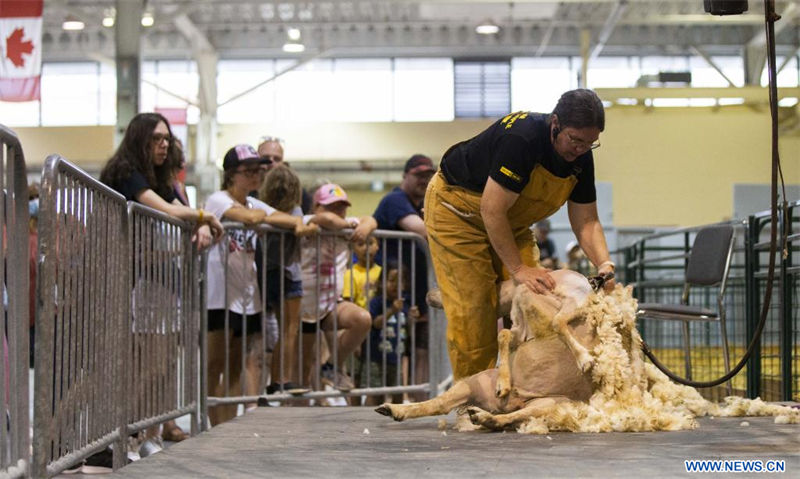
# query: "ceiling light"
(293, 34)
(293, 47)
(147, 19)
(72, 23)
(487, 27)
(108, 17)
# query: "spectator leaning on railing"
(324, 273)
(143, 169)
(243, 173)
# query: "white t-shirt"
(333, 258)
(243, 292)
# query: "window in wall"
(787, 77)
(537, 83)
(306, 93)
(178, 86)
(482, 88)
(704, 75)
(108, 94)
(19, 113)
(70, 94)
(362, 90)
(611, 72)
(237, 76)
(423, 89)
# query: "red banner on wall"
(20, 50)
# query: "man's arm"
(587, 228)
(414, 224)
(495, 203)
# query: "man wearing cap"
(480, 206)
(401, 210)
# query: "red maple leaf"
(15, 47)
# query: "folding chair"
(709, 264)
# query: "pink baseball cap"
(330, 193)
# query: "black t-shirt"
(508, 151)
(135, 184)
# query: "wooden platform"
(357, 442)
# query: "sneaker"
(340, 380)
(290, 387)
(149, 447)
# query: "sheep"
(543, 384)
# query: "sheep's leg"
(535, 408)
(503, 385)
(561, 325)
(442, 404)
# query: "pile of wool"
(631, 395)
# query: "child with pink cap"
(323, 281)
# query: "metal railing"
(14, 218)
(81, 324)
(655, 266)
(117, 343)
(165, 322)
(316, 260)
(774, 370)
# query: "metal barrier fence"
(81, 340)
(14, 217)
(655, 265)
(117, 343)
(774, 372)
(322, 260)
(165, 322)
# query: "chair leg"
(723, 331)
(687, 350)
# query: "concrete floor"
(332, 442)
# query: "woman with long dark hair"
(141, 172)
(143, 169)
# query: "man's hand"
(609, 284)
(413, 313)
(537, 279)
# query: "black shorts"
(216, 322)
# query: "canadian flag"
(20, 50)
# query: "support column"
(206, 171)
(586, 44)
(128, 45)
(205, 144)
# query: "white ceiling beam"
(608, 28)
(711, 63)
(787, 19)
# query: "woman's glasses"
(157, 138)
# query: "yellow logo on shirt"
(510, 174)
(511, 118)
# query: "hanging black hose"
(770, 18)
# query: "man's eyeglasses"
(157, 138)
(583, 145)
